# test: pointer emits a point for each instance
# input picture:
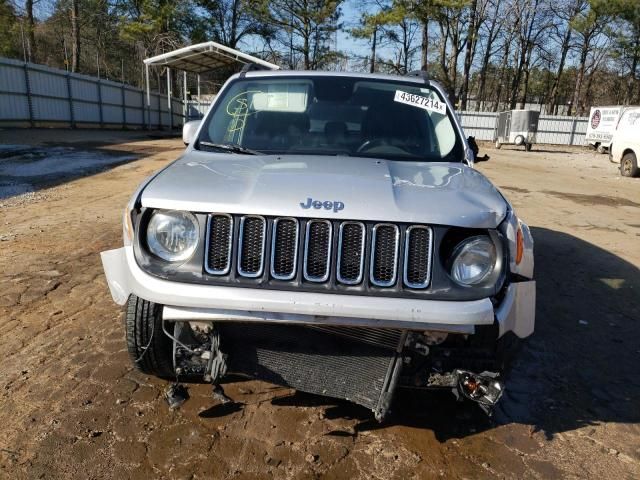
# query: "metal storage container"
(517, 127)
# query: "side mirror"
(189, 131)
(473, 145)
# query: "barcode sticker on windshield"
(431, 104)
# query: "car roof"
(417, 79)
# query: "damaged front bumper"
(352, 347)
(215, 303)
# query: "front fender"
(509, 228)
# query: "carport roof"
(204, 57)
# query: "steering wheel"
(369, 144)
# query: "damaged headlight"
(473, 260)
(172, 235)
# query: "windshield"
(333, 116)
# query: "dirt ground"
(73, 407)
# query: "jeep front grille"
(351, 242)
(417, 256)
(219, 242)
(384, 254)
(317, 250)
(350, 254)
(284, 248)
(251, 246)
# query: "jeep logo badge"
(327, 205)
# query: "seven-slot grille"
(382, 250)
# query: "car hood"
(358, 188)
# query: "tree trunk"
(515, 84)
(502, 77)
(424, 60)
(373, 50)
(630, 93)
(306, 45)
(485, 64)
(75, 37)
(233, 35)
(525, 89)
(31, 36)
(468, 56)
(555, 89)
(579, 79)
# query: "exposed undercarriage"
(362, 365)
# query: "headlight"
(173, 235)
(473, 260)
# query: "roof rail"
(249, 67)
(419, 73)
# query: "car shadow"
(578, 369)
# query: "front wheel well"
(628, 150)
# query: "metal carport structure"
(199, 58)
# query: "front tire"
(629, 165)
(149, 348)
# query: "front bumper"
(206, 302)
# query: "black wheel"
(629, 165)
(149, 348)
(528, 146)
(601, 148)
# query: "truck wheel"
(601, 148)
(629, 165)
(149, 348)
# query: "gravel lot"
(72, 407)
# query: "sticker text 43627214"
(430, 104)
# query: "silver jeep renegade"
(327, 232)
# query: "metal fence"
(36, 95)
(551, 129)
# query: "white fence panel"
(36, 94)
(85, 112)
(551, 129)
(111, 114)
(111, 95)
(13, 108)
(51, 109)
(84, 90)
(12, 79)
(480, 125)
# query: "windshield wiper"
(229, 147)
